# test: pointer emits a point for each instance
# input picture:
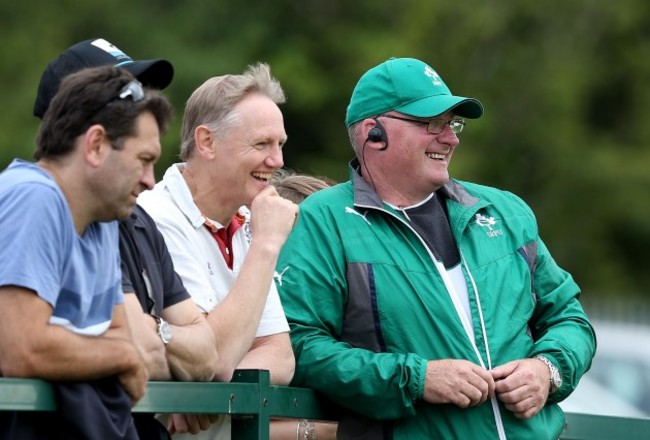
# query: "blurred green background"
(566, 87)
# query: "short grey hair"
(354, 133)
(212, 103)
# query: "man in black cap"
(171, 335)
(156, 74)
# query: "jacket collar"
(365, 195)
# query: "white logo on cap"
(110, 48)
(428, 71)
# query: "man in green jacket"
(425, 307)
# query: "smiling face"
(128, 171)
(415, 163)
(249, 152)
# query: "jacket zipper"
(459, 311)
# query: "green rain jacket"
(368, 306)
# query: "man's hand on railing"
(192, 423)
(134, 380)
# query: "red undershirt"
(223, 236)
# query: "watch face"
(165, 332)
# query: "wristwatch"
(164, 330)
(556, 377)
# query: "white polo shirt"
(196, 254)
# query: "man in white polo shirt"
(224, 224)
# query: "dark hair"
(91, 96)
(296, 187)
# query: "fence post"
(256, 426)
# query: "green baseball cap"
(408, 86)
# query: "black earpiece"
(378, 134)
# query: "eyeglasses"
(436, 125)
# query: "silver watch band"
(554, 373)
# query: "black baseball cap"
(156, 74)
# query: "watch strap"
(554, 373)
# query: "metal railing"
(252, 401)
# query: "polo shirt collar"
(181, 194)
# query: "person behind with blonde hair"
(297, 187)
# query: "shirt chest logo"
(489, 223)
(349, 210)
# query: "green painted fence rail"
(252, 401)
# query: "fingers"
(272, 216)
(135, 382)
(526, 408)
(522, 386)
(204, 421)
(170, 425)
(179, 422)
(185, 423)
(486, 379)
(195, 423)
(504, 370)
(475, 390)
(459, 382)
(192, 423)
(470, 395)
